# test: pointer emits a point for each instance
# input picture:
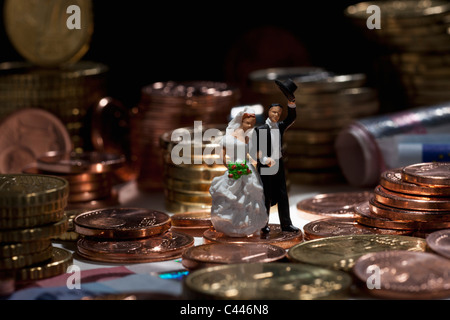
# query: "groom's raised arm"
(291, 116)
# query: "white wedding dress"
(238, 208)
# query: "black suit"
(275, 191)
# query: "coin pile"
(189, 166)
(128, 235)
(415, 37)
(166, 106)
(326, 102)
(89, 174)
(415, 197)
(53, 78)
(31, 214)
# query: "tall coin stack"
(53, 78)
(416, 44)
(189, 168)
(325, 104)
(89, 175)
(415, 197)
(31, 214)
(166, 106)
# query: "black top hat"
(288, 88)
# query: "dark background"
(143, 42)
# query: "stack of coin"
(67, 92)
(89, 174)
(168, 106)
(341, 252)
(53, 78)
(128, 235)
(326, 102)
(190, 161)
(31, 214)
(415, 39)
(416, 197)
(193, 223)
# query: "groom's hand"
(270, 162)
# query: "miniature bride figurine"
(238, 206)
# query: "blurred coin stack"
(415, 197)
(326, 103)
(166, 106)
(89, 175)
(190, 165)
(53, 78)
(128, 235)
(415, 41)
(67, 92)
(31, 214)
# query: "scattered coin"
(439, 242)
(214, 254)
(341, 253)
(266, 281)
(405, 274)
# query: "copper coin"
(27, 134)
(332, 227)
(369, 217)
(340, 204)
(405, 274)
(87, 162)
(209, 255)
(167, 246)
(200, 219)
(275, 237)
(441, 218)
(409, 202)
(122, 223)
(435, 174)
(392, 180)
(439, 242)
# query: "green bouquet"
(237, 170)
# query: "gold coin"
(341, 252)
(35, 233)
(31, 221)
(28, 190)
(266, 281)
(8, 250)
(40, 32)
(59, 262)
(22, 261)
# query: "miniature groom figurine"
(270, 159)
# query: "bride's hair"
(236, 122)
